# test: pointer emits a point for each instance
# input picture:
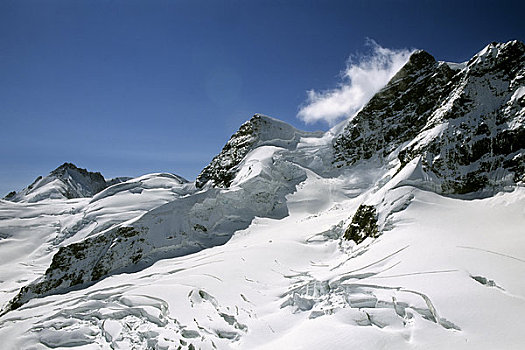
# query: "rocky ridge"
(463, 124)
(258, 131)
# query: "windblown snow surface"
(262, 263)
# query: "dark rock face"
(221, 170)
(62, 170)
(466, 125)
(397, 113)
(10, 195)
(363, 225)
(83, 263)
(90, 182)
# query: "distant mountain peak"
(67, 181)
(65, 167)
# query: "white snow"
(32, 232)
(443, 275)
(456, 66)
(518, 94)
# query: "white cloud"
(362, 78)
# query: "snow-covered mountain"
(402, 228)
(258, 131)
(65, 182)
(462, 123)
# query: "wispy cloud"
(363, 77)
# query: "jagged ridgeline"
(463, 122)
(221, 170)
(260, 130)
(65, 182)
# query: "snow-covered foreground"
(443, 275)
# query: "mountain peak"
(260, 130)
(505, 57)
(420, 58)
(221, 170)
(419, 63)
(64, 167)
(511, 45)
(466, 125)
(396, 113)
(72, 168)
(66, 181)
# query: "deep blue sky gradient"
(130, 87)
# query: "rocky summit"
(463, 123)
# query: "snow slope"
(253, 255)
(31, 233)
(433, 281)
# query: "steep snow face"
(258, 131)
(65, 182)
(466, 126)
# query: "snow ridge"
(258, 131)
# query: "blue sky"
(131, 87)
